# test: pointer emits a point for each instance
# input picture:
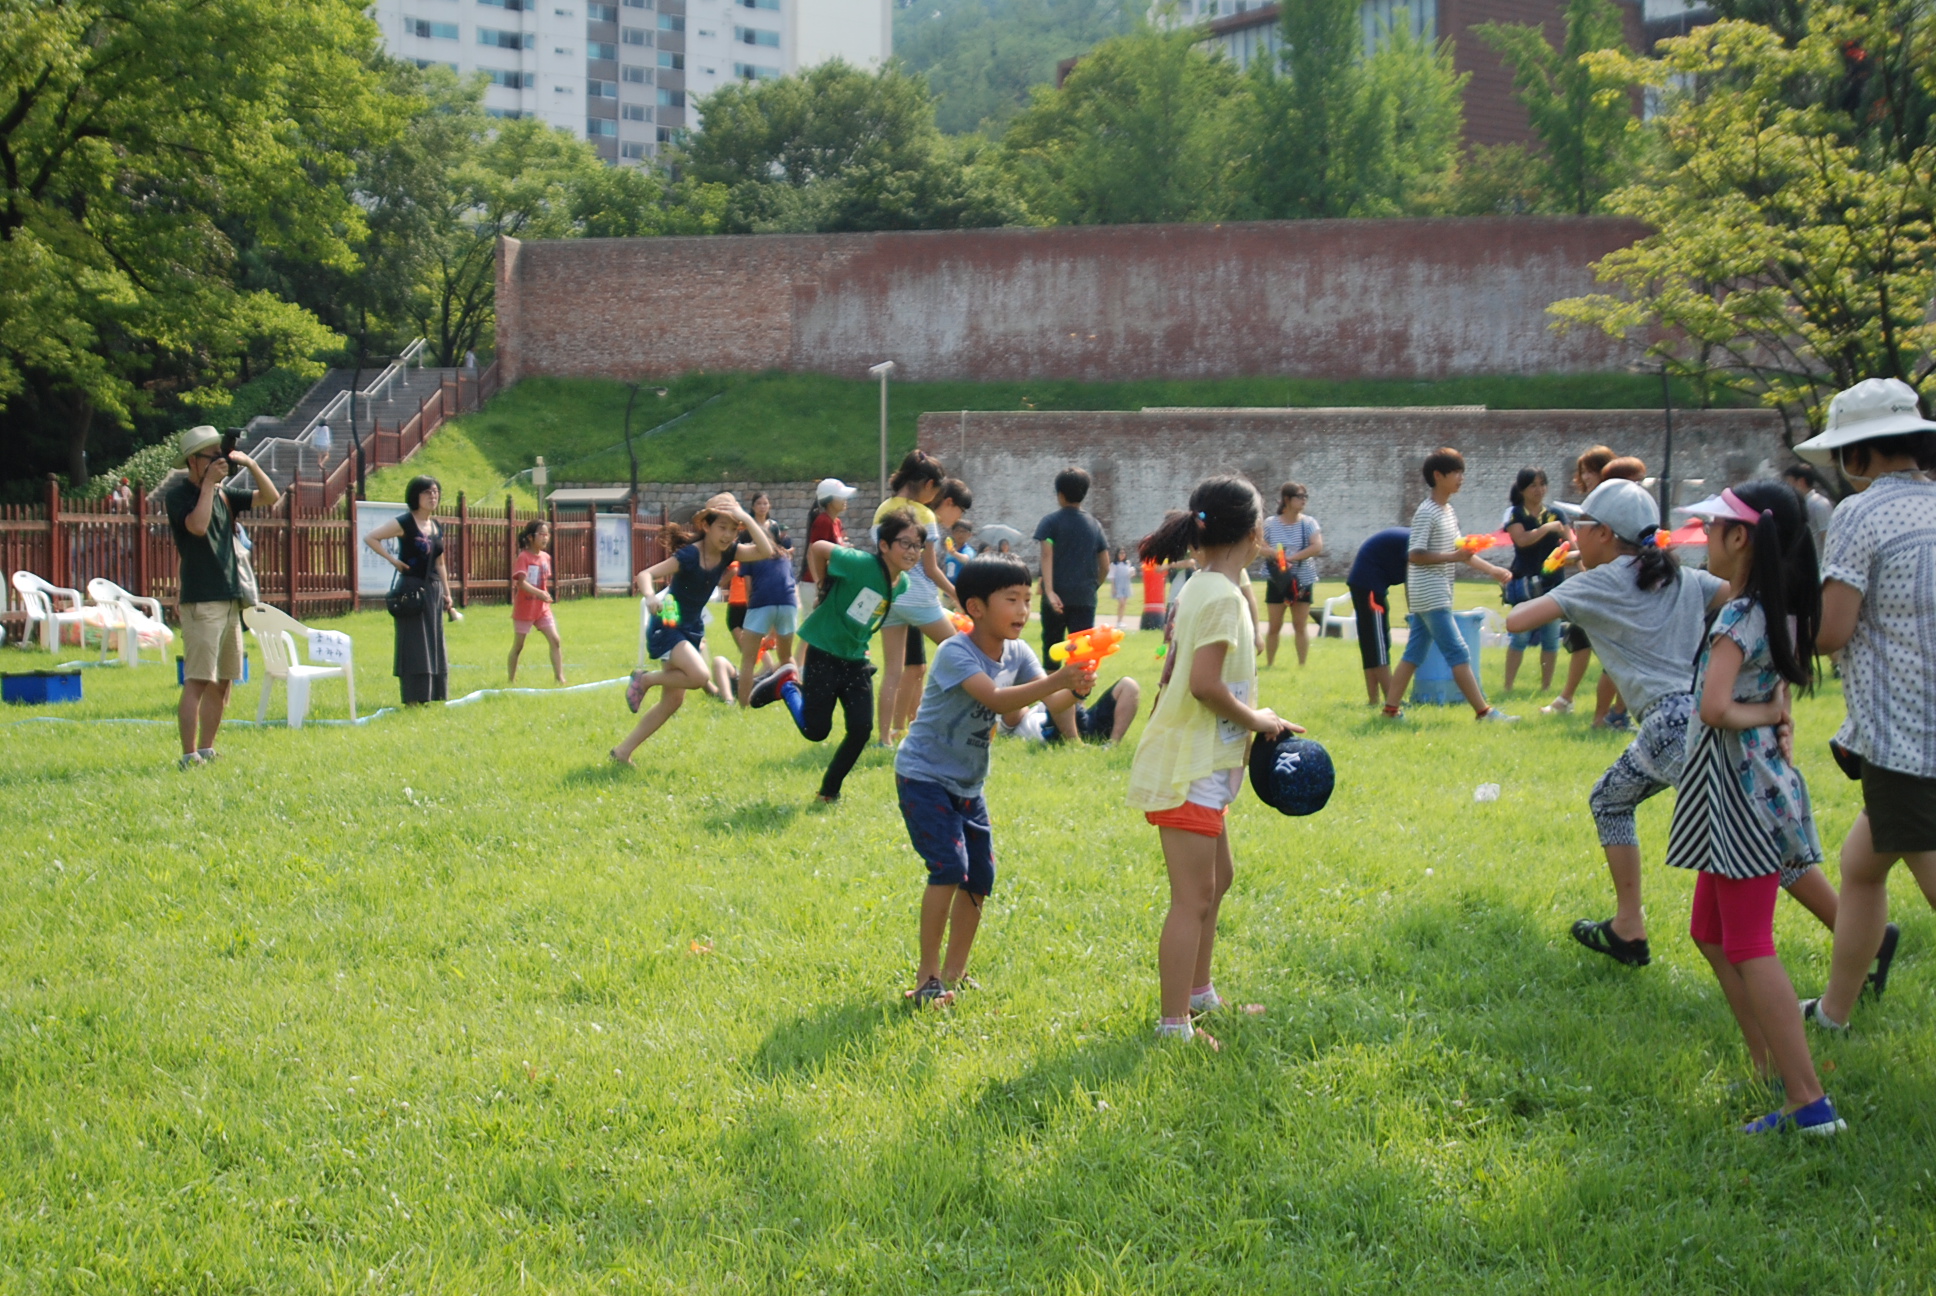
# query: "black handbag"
(406, 597)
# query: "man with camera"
(201, 513)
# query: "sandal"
(1599, 937)
(966, 983)
(635, 691)
(930, 994)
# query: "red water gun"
(1087, 647)
(1474, 544)
(1557, 559)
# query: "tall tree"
(134, 136)
(835, 148)
(1336, 132)
(1583, 116)
(981, 58)
(1141, 131)
(1793, 199)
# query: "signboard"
(373, 575)
(612, 538)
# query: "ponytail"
(1223, 510)
(1784, 579)
(1657, 568)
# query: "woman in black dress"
(420, 665)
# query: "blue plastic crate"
(41, 688)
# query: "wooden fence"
(305, 557)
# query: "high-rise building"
(627, 74)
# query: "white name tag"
(1230, 732)
(863, 607)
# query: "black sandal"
(1879, 977)
(1600, 938)
(930, 993)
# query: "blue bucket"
(1433, 685)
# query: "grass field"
(786, 427)
(446, 1003)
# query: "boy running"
(943, 762)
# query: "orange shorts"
(1191, 818)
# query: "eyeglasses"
(905, 544)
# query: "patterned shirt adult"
(1291, 537)
(1882, 544)
(1435, 529)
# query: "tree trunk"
(80, 424)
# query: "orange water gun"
(1282, 562)
(1087, 647)
(1473, 544)
(1557, 559)
(963, 623)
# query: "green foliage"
(793, 427)
(450, 1000)
(1793, 198)
(1139, 132)
(1581, 109)
(982, 57)
(835, 148)
(135, 139)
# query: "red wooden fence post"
(289, 559)
(463, 551)
(141, 543)
(56, 551)
(352, 562)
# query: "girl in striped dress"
(1742, 818)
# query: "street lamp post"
(881, 371)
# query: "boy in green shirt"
(856, 590)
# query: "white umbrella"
(995, 533)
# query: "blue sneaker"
(1817, 1118)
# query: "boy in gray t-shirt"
(943, 761)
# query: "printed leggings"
(828, 679)
(1651, 764)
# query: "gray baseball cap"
(1624, 506)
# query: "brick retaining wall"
(1361, 465)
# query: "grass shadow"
(804, 1044)
(760, 817)
(602, 773)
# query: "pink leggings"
(1736, 914)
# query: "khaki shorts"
(212, 640)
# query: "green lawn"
(446, 1003)
(785, 427)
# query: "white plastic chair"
(136, 620)
(274, 632)
(43, 603)
(1346, 621)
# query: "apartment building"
(628, 74)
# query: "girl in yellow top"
(1189, 764)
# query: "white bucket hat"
(194, 441)
(1874, 407)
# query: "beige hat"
(1874, 407)
(196, 440)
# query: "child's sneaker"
(635, 691)
(189, 760)
(1812, 1014)
(766, 689)
(1494, 715)
(1558, 706)
(1182, 1030)
(1207, 1002)
(1817, 1118)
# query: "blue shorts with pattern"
(951, 835)
(661, 639)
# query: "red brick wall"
(1492, 114)
(1341, 299)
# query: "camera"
(229, 438)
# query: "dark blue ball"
(1292, 775)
